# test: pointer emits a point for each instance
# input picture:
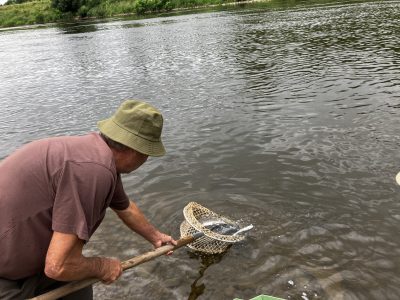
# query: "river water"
(283, 115)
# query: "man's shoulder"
(88, 150)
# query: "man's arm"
(65, 262)
(136, 221)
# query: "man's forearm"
(65, 262)
(75, 269)
(136, 221)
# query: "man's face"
(132, 160)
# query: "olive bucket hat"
(137, 125)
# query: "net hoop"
(211, 242)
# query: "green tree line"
(25, 12)
(105, 8)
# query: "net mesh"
(212, 242)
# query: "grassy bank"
(41, 11)
(35, 12)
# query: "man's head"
(138, 126)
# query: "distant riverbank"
(41, 11)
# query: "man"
(54, 194)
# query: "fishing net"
(216, 238)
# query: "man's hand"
(160, 239)
(110, 269)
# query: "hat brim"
(129, 139)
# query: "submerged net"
(216, 238)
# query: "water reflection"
(73, 28)
(197, 289)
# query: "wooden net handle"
(130, 263)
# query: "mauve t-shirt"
(59, 184)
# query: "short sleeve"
(120, 200)
(82, 190)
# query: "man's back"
(58, 184)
